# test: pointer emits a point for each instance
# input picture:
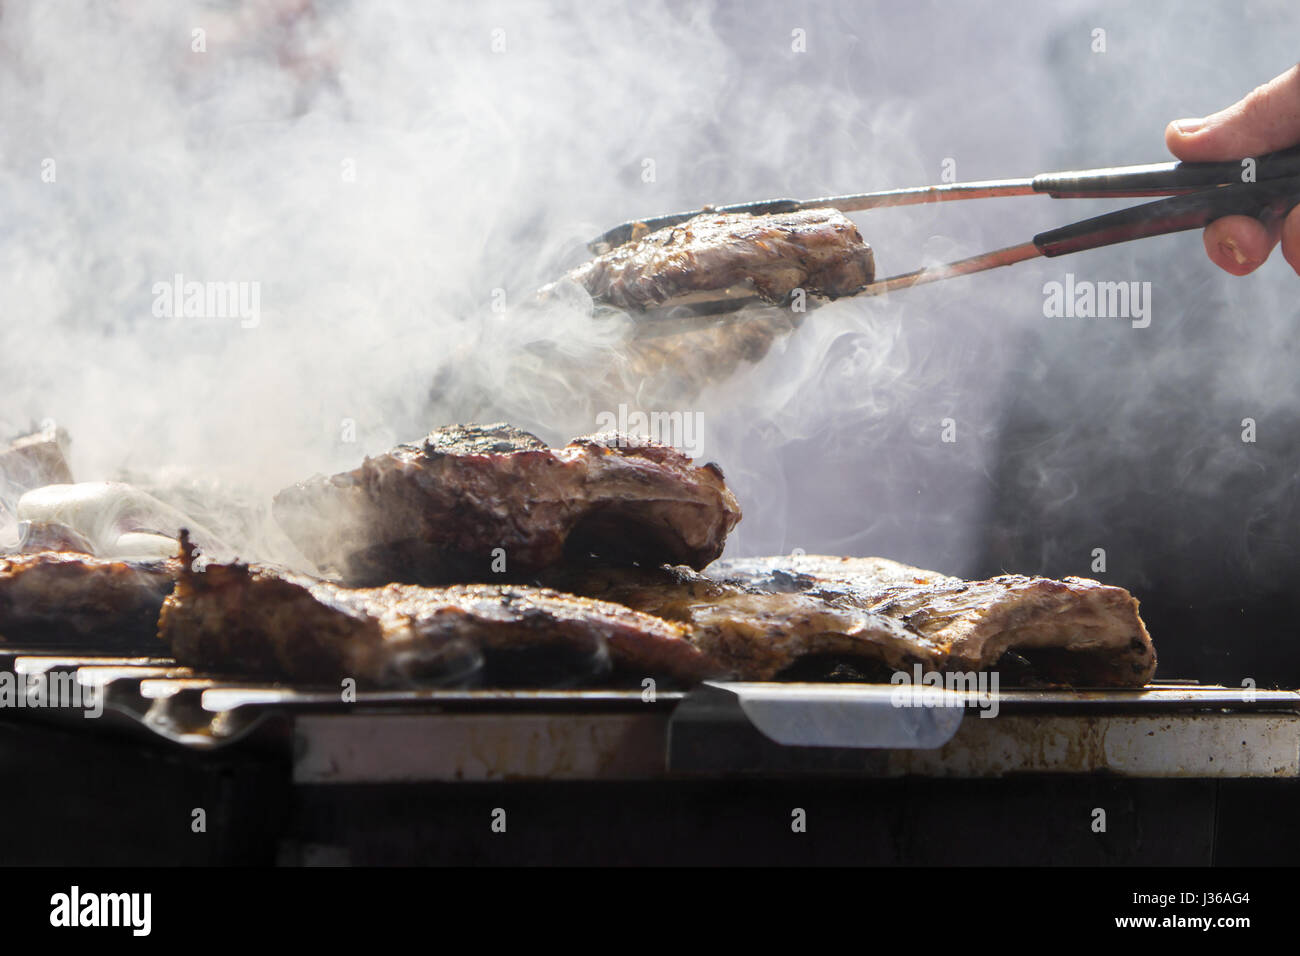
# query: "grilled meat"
(258, 622)
(817, 250)
(68, 599)
(1073, 631)
(753, 634)
(439, 510)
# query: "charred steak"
(437, 511)
(817, 250)
(1073, 631)
(231, 618)
(68, 599)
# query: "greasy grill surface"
(445, 509)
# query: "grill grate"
(1168, 729)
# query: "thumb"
(1266, 119)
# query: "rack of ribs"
(76, 600)
(269, 624)
(1073, 631)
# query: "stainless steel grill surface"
(1168, 729)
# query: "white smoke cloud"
(387, 172)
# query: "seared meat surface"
(751, 634)
(1073, 631)
(68, 599)
(437, 511)
(807, 617)
(817, 250)
(234, 619)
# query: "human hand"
(1265, 120)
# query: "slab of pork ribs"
(1074, 631)
(438, 510)
(805, 618)
(258, 622)
(70, 599)
(812, 617)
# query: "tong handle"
(1264, 200)
(1163, 179)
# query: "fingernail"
(1229, 247)
(1189, 125)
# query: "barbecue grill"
(1185, 772)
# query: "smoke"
(397, 179)
(388, 183)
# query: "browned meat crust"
(817, 250)
(67, 599)
(1073, 631)
(267, 624)
(436, 511)
(756, 635)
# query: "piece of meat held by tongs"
(718, 259)
(730, 259)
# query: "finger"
(1266, 119)
(1291, 238)
(1239, 244)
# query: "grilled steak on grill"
(752, 634)
(63, 598)
(255, 621)
(437, 511)
(1073, 631)
(817, 250)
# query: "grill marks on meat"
(67, 599)
(434, 511)
(1073, 631)
(751, 634)
(263, 623)
(817, 250)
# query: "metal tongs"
(1265, 188)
